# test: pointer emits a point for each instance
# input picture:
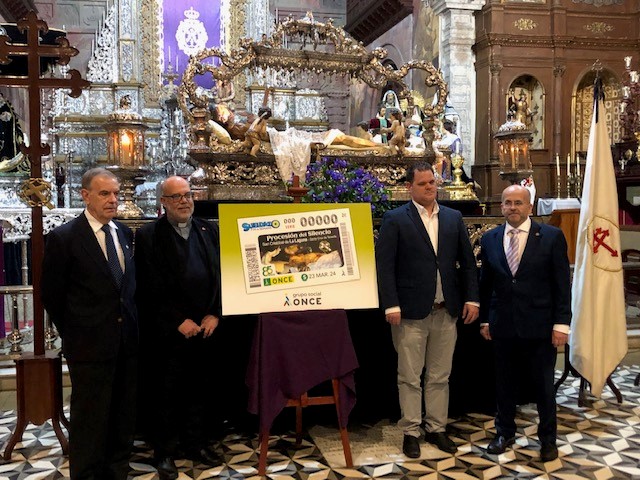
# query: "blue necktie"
(112, 256)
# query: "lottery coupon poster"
(290, 257)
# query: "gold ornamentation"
(36, 192)
(525, 24)
(150, 41)
(598, 27)
(339, 54)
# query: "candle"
(558, 164)
(568, 164)
(577, 165)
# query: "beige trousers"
(426, 344)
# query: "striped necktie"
(112, 256)
(513, 252)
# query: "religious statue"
(224, 92)
(390, 101)
(257, 132)
(11, 139)
(519, 108)
(397, 130)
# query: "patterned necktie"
(512, 253)
(112, 256)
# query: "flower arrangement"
(335, 180)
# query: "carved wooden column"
(495, 117)
(457, 36)
(558, 73)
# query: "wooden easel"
(38, 376)
(300, 403)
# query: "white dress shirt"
(96, 226)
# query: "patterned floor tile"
(598, 441)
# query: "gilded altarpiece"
(583, 110)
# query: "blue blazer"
(528, 304)
(407, 262)
(94, 318)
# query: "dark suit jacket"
(538, 297)
(92, 315)
(407, 262)
(161, 295)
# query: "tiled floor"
(600, 440)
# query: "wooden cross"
(38, 376)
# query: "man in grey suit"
(427, 277)
(525, 292)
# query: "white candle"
(568, 164)
(577, 165)
(558, 164)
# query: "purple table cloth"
(295, 351)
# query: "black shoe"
(205, 456)
(442, 441)
(500, 443)
(167, 469)
(548, 452)
(411, 446)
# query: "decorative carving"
(16, 223)
(126, 23)
(235, 33)
(558, 70)
(325, 50)
(600, 3)
(126, 60)
(150, 57)
(101, 67)
(525, 24)
(598, 27)
(36, 192)
(495, 69)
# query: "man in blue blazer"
(88, 286)
(526, 310)
(427, 277)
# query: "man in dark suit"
(526, 310)
(427, 277)
(88, 286)
(179, 300)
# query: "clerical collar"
(182, 228)
(186, 224)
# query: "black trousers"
(102, 424)
(533, 359)
(183, 400)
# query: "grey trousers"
(429, 343)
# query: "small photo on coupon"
(315, 250)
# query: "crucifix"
(38, 375)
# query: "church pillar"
(457, 36)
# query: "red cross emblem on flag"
(603, 237)
(599, 240)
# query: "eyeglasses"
(178, 197)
